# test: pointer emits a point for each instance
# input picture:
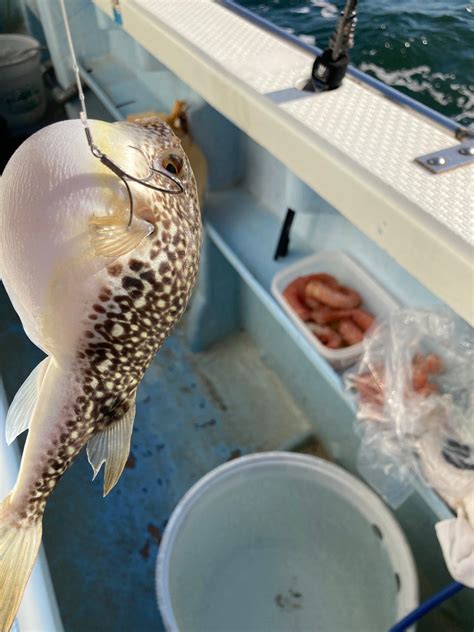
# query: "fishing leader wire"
(104, 159)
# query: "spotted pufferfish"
(96, 292)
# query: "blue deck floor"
(102, 552)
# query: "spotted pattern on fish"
(123, 330)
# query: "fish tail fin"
(18, 550)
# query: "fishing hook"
(96, 152)
(124, 176)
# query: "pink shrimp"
(423, 367)
(351, 334)
(362, 319)
(313, 304)
(293, 294)
(296, 296)
(419, 377)
(369, 390)
(427, 390)
(325, 315)
(324, 277)
(310, 301)
(337, 296)
(371, 385)
(431, 363)
(326, 335)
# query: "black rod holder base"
(327, 73)
(284, 239)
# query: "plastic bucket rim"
(29, 53)
(408, 596)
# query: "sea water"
(424, 48)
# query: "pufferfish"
(98, 289)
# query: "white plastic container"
(22, 92)
(374, 298)
(283, 542)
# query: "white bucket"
(22, 93)
(283, 542)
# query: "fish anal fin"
(112, 446)
(111, 236)
(23, 404)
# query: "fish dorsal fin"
(23, 404)
(111, 236)
(199, 166)
(112, 446)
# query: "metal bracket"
(449, 158)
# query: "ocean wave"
(328, 10)
(419, 47)
(301, 10)
(419, 80)
(307, 39)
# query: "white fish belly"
(50, 189)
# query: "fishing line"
(104, 159)
(75, 67)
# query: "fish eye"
(173, 164)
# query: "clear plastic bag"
(415, 405)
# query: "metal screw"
(439, 161)
(467, 151)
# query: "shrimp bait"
(294, 295)
(339, 297)
(350, 333)
(326, 335)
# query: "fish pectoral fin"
(112, 446)
(22, 407)
(111, 236)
